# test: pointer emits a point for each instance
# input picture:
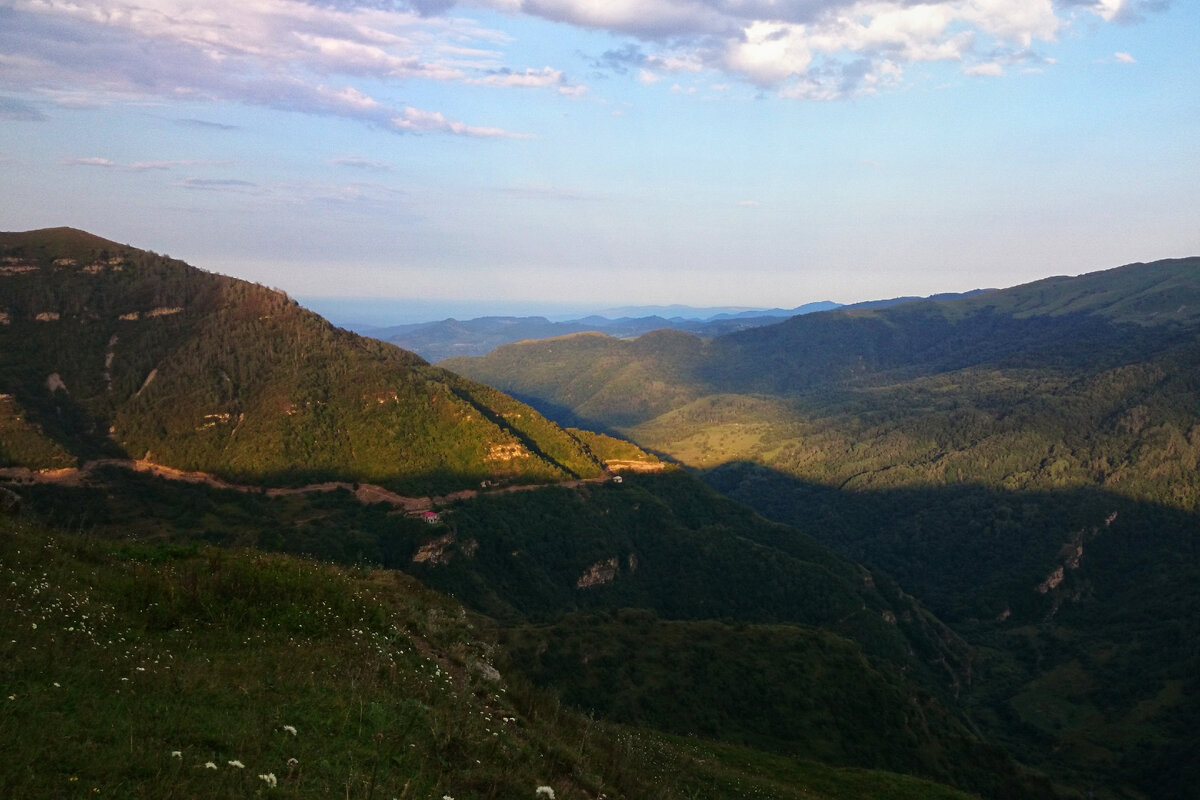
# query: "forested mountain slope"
(1087, 381)
(1025, 461)
(106, 350)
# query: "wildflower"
(209, 765)
(238, 764)
(270, 780)
(292, 762)
(289, 729)
(545, 790)
(57, 685)
(176, 754)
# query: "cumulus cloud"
(284, 54)
(346, 57)
(823, 49)
(1121, 11)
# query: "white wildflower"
(546, 791)
(238, 764)
(176, 754)
(209, 765)
(292, 762)
(270, 779)
(289, 729)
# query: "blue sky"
(510, 154)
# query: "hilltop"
(110, 351)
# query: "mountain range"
(1024, 461)
(475, 337)
(971, 564)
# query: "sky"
(527, 155)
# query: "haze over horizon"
(516, 155)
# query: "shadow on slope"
(1089, 602)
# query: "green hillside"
(109, 351)
(113, 353)
(977, 450)
(683, 555)
(138, 670)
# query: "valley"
(1019, 460)
(939, 548)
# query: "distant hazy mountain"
(707, 313)
(448, 338)
(106, 350)
(475, 337)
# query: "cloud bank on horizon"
(699, 151)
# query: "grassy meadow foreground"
(179, 670)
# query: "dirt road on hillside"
(367, 493)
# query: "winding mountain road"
(367, 493)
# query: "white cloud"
(414, 120)
(91, 161)
(284, 54)
(1125, 58)
(989, 68)
(823, 49)
(768, 53)
(648, 77)
(346, 57)
(546, 76)
(139, 166)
